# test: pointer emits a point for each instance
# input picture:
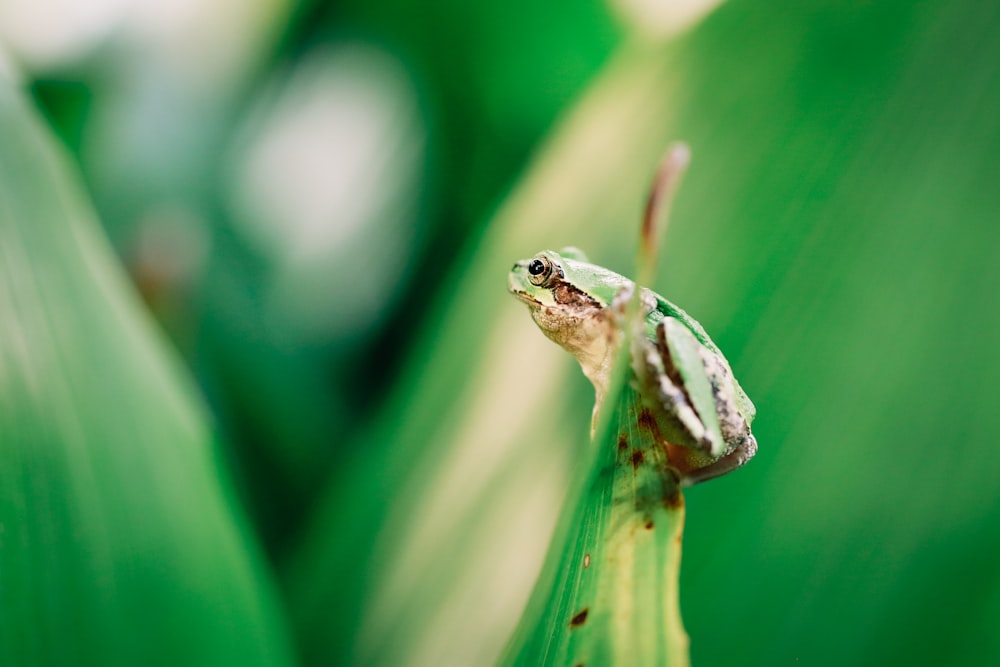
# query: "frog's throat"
(585, 335)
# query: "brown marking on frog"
(569, 295)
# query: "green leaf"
(608, 594)
(119, 541)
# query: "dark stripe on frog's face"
(566, 294)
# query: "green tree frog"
(695, 407)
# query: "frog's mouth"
(526, 298)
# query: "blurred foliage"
(119, 541)
(291, 403)
(403, 466)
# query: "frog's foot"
(731, 461)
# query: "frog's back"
(668, 309)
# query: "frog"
(692, 402)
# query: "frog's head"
(568, 298)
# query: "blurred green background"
(351, 445)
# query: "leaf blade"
(121, 542)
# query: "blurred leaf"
(856, 145)
(119, 541)
(165, 94)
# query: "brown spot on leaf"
(586, 561)
(637, 458)
(622, 443)
(649, 525)
(646, 419)
(673, 500)
(580, 618)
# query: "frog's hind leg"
(666, 405)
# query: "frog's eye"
(539, 270)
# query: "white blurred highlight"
(203, 42)
(47, 33)
(664, 18)
(8, 70)
(326, 185)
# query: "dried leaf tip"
(657, 215)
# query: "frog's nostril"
(514, 268)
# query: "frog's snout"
(514, 282)
(518, 285)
